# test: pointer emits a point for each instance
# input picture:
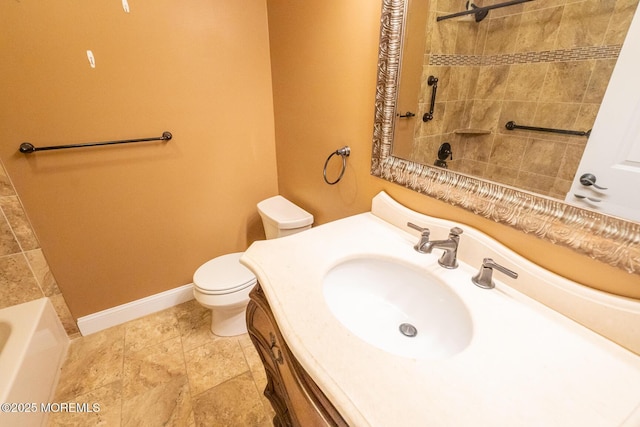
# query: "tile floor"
(165, 369)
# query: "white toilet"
(223, 284)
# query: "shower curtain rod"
(27, 147)
(481, 10)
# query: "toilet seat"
(223, 275)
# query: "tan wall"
(123, 222)
(324, 56)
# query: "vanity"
(534, 350)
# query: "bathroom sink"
(397, 308)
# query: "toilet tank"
(280, 217)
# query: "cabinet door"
(289, 385)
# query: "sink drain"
(408, 330)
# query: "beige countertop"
(526, 364)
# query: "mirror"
(505, 70)
(603, 237)
(539, 64)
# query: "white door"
(612, 155)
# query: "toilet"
(223, 284)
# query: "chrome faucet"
(484, 277)
(424, 237)
(450, 246)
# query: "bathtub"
(33, 345)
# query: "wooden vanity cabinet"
(296, 399)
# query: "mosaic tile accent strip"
(559, 55)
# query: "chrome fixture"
(343, 152)
(424, 237)
(588, 179)
(450, 247)
(484, 277)
(408, 330)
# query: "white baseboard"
(123, 313)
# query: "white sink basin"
(374, 297)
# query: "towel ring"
(342, 152)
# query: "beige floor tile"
(154, 365)
(255, 365)
(151, 329)
(213, 363)
(245, 341)
(194, 322)
(165, 405)
(164, 369)
(233, 403)
(110, 408)
(92, 362)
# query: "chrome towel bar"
(27, 147)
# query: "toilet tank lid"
(286, 214)
(224, 273)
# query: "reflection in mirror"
(602, 237)
(542, 64)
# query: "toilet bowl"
(223, 284)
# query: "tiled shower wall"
(24, 272)
(544, 63)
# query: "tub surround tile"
(501, 35)
(41, 271)
(8, 243)
(16, 217)
(68, 322)
(599, 81)
(6, 188)
(538, 29)
(620, 21)
(567, 81)
(17, 284)
(585, 23)
(525, 82)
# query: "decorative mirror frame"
(606, 238)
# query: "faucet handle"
(455, 232)
(484, 277)
(424, 237)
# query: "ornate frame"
(606, 238)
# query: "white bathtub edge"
(31, 359)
